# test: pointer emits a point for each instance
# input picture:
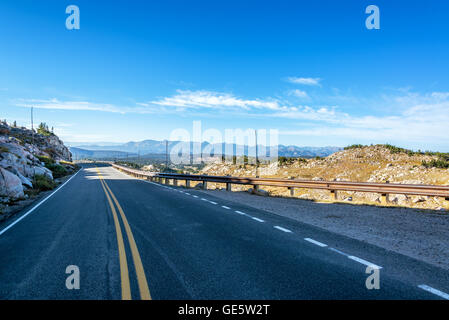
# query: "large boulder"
(16, 158)
(43, 171)
(10, 185)
(25, 181)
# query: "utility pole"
(257, 158)
(166, 154)
(32, 126)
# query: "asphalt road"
(132, 239)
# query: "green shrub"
(57, 170)
(46, 160)
(442, 163)
(129, 164)
(44, 130)
(43, 183)
(3, 149)
(354, 146)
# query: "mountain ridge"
(150, 146)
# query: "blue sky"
(140, 69)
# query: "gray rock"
(401, 199)
(419, 199)
(43, 171)
(25, 181)
(199, 186)
(261, 192)
(10, 185)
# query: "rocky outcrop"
(19, 162)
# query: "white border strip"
(37, 205)
(339, 252)
(434, 291)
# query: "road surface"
(133, 239)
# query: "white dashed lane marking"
(224, 207)
(240, 212)
(366, 263)
(257, 219)
(315, 242)
(282, 229)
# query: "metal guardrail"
(333, 186)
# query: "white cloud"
(299, 93)
(67, 105)
(305, 81)
(421, 119)
(322, 113)
(211, 100)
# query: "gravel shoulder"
(420, 234)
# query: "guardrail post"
(187, 183)
(205, 185)
(256, 187)
(175, 182)
(446, 202)
(384, 198)
(228, 186)
(292, 191)
(334, 195)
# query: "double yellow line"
(124, 274)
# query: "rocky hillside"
(380, 163)
(29, 164)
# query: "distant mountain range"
(154, 147)
(78, 153)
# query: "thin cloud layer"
(67, 105)
(211, 100)
(409, 116)
(304, 81)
